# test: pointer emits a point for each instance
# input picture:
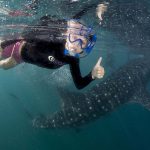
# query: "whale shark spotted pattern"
(125, 85)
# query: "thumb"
(99, 62)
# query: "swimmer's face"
(76, 43)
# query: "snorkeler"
(65, 46)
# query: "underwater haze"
(28, 91)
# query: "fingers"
(100, 72)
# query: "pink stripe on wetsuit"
(13, 50)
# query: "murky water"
(28, 91)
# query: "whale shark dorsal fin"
(70, 98)
(142, 96)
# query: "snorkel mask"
(90, 38)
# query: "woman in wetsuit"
(65, 46)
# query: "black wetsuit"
(51, 55)
(44, 49)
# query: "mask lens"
(75, 41)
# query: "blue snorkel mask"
(91, 40)
(86, 50)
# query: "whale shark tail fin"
(142, 97)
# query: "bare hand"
(98, 71)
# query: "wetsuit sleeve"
(80, 82)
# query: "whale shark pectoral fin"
(142, 96)
(70, 99)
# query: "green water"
(27, 91)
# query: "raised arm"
(79, 81)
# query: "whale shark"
(128, 84)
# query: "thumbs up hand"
(98, 71)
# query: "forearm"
(79, 81)
(82, 82)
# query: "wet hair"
(48, 29)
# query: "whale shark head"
(125, 85)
